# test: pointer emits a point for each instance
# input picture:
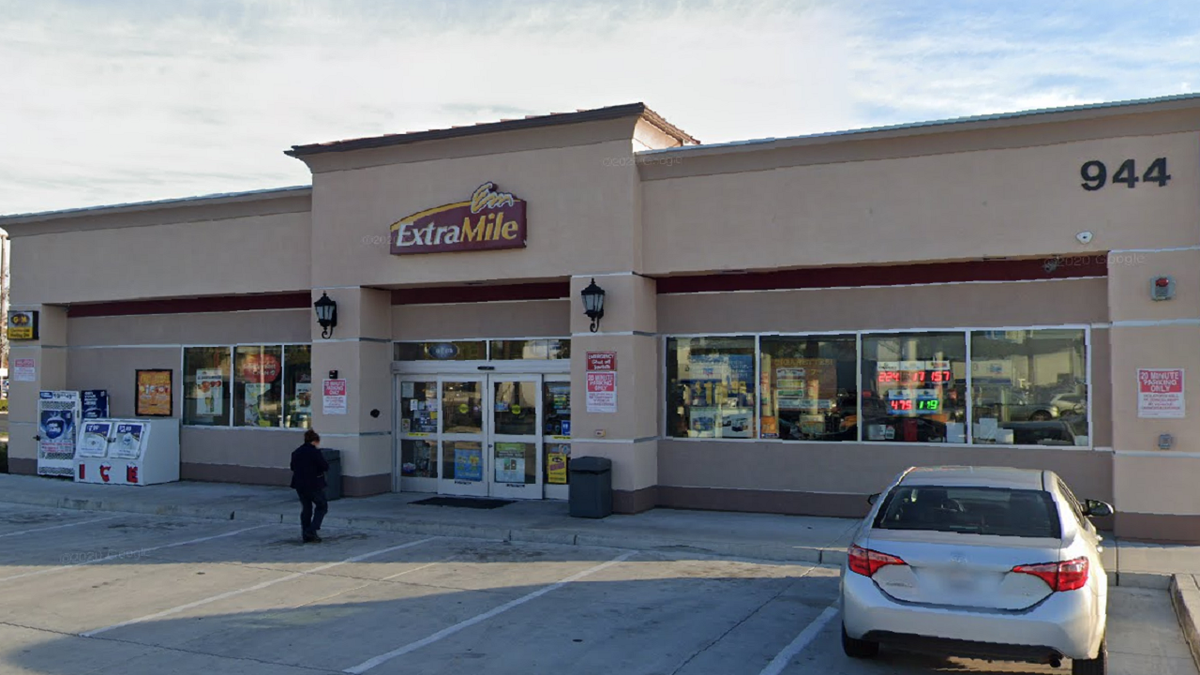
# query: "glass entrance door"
(464, 436)
(494, 435)
(515, 436)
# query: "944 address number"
(1095, 174)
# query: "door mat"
(465, 502)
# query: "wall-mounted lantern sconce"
(593, 304)
(326, 315)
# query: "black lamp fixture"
(326, 314)
(593, 304)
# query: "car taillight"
(866, 562)
(1060, 576)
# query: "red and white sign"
(602, 392)
(334, 400)
(1160, 393)
(601, 361)
(24, 370)
(260, 368)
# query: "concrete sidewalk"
(746, 535)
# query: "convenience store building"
(787, 323)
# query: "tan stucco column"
(49, 354)
(360, 351)
(629, 436)
(1155, 490)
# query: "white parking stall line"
(129, 554)
(373, 582)
(802, 640)
(250, 589)
(56, 527)
(462, 625)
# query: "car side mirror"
(1096, 509)
(871, 499)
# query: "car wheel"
(1096, 666)
(858, 649)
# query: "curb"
(764, 552)
(1185, 596)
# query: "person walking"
(308, 479)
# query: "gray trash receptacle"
(591, 487)
(333, 477)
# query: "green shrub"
(3, 405)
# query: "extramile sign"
(489, 220)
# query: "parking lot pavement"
(119, 593)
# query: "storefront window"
(809, 388)
(462, 408)
(418, 459)
(418, 407)
(914, 387)
(1029, 387)
(258, 386)
(441, 351)
(711, 387)
(507, 350)
(556, 408)
(205, 386)
(297, 386)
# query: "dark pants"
(310, 522)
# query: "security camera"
(1084, 237)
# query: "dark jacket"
(308, 468)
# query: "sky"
(118, 101)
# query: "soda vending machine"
(128, 452)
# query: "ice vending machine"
(128, 452)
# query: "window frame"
(966, 331)
(231, 378)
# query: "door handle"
(37, 438)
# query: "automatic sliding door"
(515, 443)
(464, 464)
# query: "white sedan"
(985, 562)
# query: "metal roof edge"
(220, 197)
(939, 125)
(554, 119)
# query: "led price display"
(913, 402)
(914, 372)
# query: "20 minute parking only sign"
(1160, 393)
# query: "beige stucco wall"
(270, 448)
(854, 468)
(1077, 301)
(208, 328)
(848, 203)
(581, 209)
(240, 255)
(523, 318)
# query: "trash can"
(591, 487)
(333, 477)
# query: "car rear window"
(975, 510)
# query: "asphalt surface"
(94, 592)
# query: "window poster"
(153, 393)
(510, 462)
(209, 392)
(556, 463)
(468, 464)
(303, 403)
(256, 394)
